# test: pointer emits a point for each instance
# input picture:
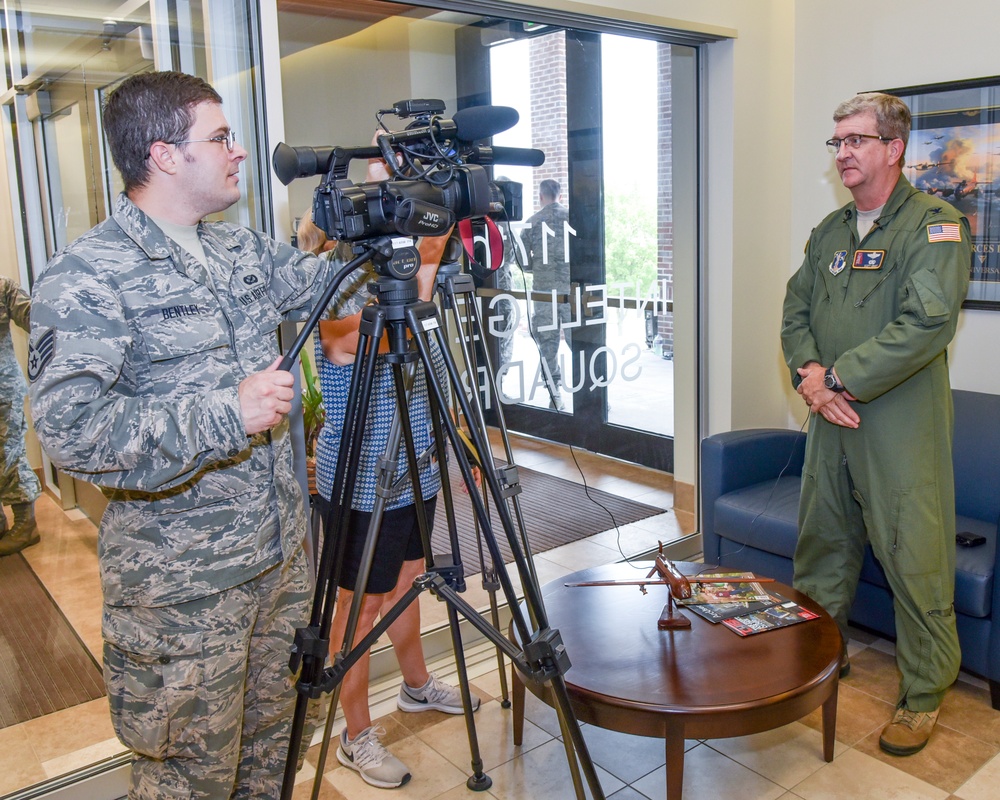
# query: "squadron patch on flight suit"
(839, 262)
(944, 232)
(868, 259)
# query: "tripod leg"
(324, 749)
(501, 666)
(546, 645)
(517, 705)
(445, 287)
(311, 645)
(571, 759)
(449, 288)
(478, 781)
(578, 744)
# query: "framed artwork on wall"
(954, 154)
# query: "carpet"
(44, 667)
(555, 512)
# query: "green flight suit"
(883, 311)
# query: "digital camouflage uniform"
(136, 354)
(18, 482)
(549, 265)
(506, 309)
(883, 311)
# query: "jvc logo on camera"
(430, 220)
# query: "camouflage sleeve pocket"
(156, 691)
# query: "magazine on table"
(746, 591)
(717, 612)
(780, 615)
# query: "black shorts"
(398, 541)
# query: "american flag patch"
(944, 232)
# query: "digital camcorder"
(437, 174)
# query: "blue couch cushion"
(974, 570)
(763, 516)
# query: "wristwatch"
(831, 381)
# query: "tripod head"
(394, 297)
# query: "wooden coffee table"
(705, 682)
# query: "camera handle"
(380, 252)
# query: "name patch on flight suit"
(868, 259)
(839, 262)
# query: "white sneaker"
(433, 695)
(367, 756)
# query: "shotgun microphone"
(482, 122)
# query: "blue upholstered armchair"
(750, 495)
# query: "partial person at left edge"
(153, 374)
(19, 487)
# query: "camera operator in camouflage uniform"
(153, 374)
(19, 486)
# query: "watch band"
(831, 381)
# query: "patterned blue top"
(335, 383)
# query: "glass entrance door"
(585, 351)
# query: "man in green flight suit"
(866, 323)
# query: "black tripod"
(415, 333)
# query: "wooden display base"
(671, 619)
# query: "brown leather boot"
(908, 732)
(24, 533)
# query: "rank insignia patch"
(40, 353)
(868, 259)
(944, 232)
(839, 262)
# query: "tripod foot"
(505, 704)
(480, 782)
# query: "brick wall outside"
(548, 109)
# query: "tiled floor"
(961, 761)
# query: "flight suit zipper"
(862, 301)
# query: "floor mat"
(555, 512)
(44, 667)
